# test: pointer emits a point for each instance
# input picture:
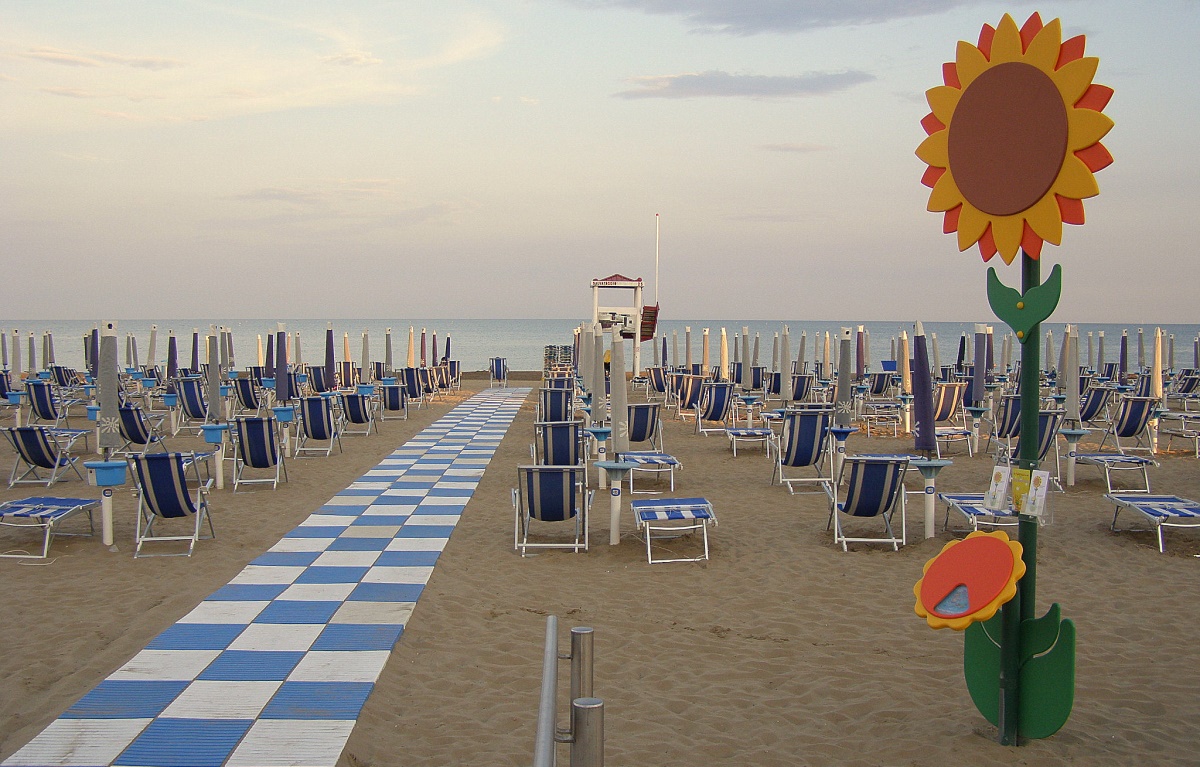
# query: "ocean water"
(523, 342)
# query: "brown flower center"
(1008, 138)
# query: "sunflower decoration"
(1014, 138)
(969, 580)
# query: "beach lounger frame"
(671, 518)
(318, 422)
(45, 513)
(650, 462)
(1158, 510)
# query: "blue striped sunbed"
(970, 505)
(761, 434)
(649, 461)
(46, 513)
(673, 517)
(1159, 510)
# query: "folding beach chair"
(1006, 426)
(140, 430)
(1093, 406)
(45, 514)
(455, 374)
(165, 483)
(45, 406)
(555, 405)
(1049, 422)
(1158, 511)
(947, 408)
(558, 443)
(498, 371)
(802, 386)
(804, 444)
(687, 396)
(192, 404)
(1131, 421)
(427, 380)
(773, 386)
(358, 409)
(257, 447)
(671, 518)
(40, 447)
(875, 488)
(319, 380)
(318, 424)
(644, 425)
(658, 384)
(551, 495)
(347, 374)
(713, 406)
(247, 398)
(393, 398)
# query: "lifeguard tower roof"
(617, 281)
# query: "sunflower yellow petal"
(1086, 128)
(1046, 220)
(945, 194)
(1006, 232)
(1075, 180)
(1043, 49)
(1074, 78)
(972, 223)
(969, 62)
(1006, 45)
(942, 101)
(934, 150)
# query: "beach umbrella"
(1171, 352)
(434, 358)
(860, 362)
(775, 353)
(1141, 350)
(800, 352)
(598, 395)
(33, 366)
(109, 423)
(128, 349)
(412, 352)
(843, 407)
(133, 343)
(1071, 342)
(346, 347)
(785, 363)
(298, 359)
(172, 361)
(904, 364)
(675, 349)
(226, 363)
(1048, 356)
(1196, 352)
(269, 358)
(705, 355)
(4, 350)
(932, 346)
(1062, 358)
(423, 359)
(962, 353)
(663, 357)
(924, 437)
(367, 373)
(724, 355)
(212, 380)
(979, 368)
(657, 356)
(46, 349)
(446, 351)
(827, 356)
(1100, 350)
(754, 360)
(387, 351)
(1091, 358)
(152, 349)
(991, 354)
(618, 394)
(95, 358)
(584, 357)
(745, 382)
(330, 353)
(232, 354)
(687, 347)
(866, 349)
(737, 348)
(283, 381)
(196, 350)
(893, 357)
(1156, 370)
(16, 348)
(1123, 358)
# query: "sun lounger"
(650, 462)
(670, 518)
(1159, 510)
(47, 514)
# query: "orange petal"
(931, 124)
(950, 220)
(931, 175)
(950, 75)
(986, 35)
(1095, 97)
(1030, 29)
(1095, 157)
(1072, 50)
(1031, 244)
(987, 246)
(1071, 210)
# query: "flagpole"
(656, 259)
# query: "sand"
(781, 649)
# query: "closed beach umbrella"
(619, 396)
(745, 382)
(283, 381)
(423, 360)
(1062, 357)
(213, 381)
(232, 353)
(387, 350)
(800, 351)
(4, 350)
(17, 354)
(132, 343)
(330, 353)
(1091, 358)
(1156, 376)
(827, 357)
(33, 366)
(447, 349)
(962, 353)
(675, 349)
(1196, 352)
(754, 359)
(367, 373)
(1170, 352)
(663, 362)
(705, 354)
(1071, 342)
(785, 353)
(172, 361)
(866, 349)
(1141, 350)
(657, 357)
(979, 369)
(843, 407)
(1048, 357)
(860, 360)
(1123, 359)
(412, 352)
(775, 353)
(226, 362)
(47, 358)
(932, 347)
(269, 358)
(152, 349)
(598, 395)
(904, 364)
(346, 347)
(110, 415)
(924, 438)
(584, 357)
(724, 355)
(128, 348)
(991, 353)
(1100, 350)
(737, 348)
(95, 346)
(434, 358)
(196, 350)
(299, 360)
(687, 347)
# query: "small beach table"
(929, 468)
(601, 435)
(617, 470)
(214, 434)
(1073, 436)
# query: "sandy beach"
(780, 650)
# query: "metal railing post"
(581, 662)
(543, 746)
(587, 722)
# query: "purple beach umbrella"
(979, 370)
(172, 361)
(330, 353)
(269, 359)
(283, 382)
(94, 366)
(924, 436)
(1123, 359)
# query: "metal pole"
(582, 657)
(587, 721)
(543, 745)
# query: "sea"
(523, 342)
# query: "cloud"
(98, 59)
(352, 59)
(75, 93)
(715, 83)
(750, 17)
(798, 148)
(282, 194)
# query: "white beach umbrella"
(298, 359)
(368, 374)
(705, 357)
(33, 366)
(1099, 350)
(754, 359)
(1156, 376)
(1171, 352)
(687, 347)
(675, 349)
(827, 356)
(785, 363)
(387, 351)
(1091, 354)
(775, 353)
(618, 394)
(737, 348)
(16, 348)
(1071, 365)
(261, 359)
(585, 355)
(724, 355)
(843, 407)
(1048, 359)
(152, 349)
(412, 348)
(1063, 370)
(108, 426)
(213, 380)
(1141, 350)
(935, 349)
(598, 396)
(800, 361)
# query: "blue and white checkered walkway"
(273, 668)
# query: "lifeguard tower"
(636, 321)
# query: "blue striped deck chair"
(427, 379)
(498, 371)
(716, 402)
(1005, 426)
(672, 518)
(555, 405)
(192, 404)
(247, 398)
(347, 374)
(804, 444)
(165, 483)
(40, 447)
(455, 374)
(947, 408)
(257, 447)
(773, 385)
(319, 380)
(318, 424)
(552, 495)
(644, 424)
(1110, 371)
(558, 443)
(257, 373)
(657, 389)
(1093, 406)
(758, 378)
(379, 370)
(412, 386)
(358, 409)
(1185, 391)
(735, 371)
(1158, 511)
(688, 397)
(139, 430)
(802, 386)
(1049, 422)
(875, 488)
(393, 398)
(559, 382)
(45, 406)
(1131, 421)
(46, 514)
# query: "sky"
(488, 158)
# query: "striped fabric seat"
(555, 404)
(247, 398)
(40, 447)
(192, 403)
(358, 409)
(752, 435)
(320, 379)
(393, 399)
(498, 371)
(550, 494)
(45, 513)
(714, 406)
(947, 407)
(875, 488)
(558, 443)
(651, 463)
(970, 505)
(139, 430)
(46, 406)
(1130, 422)
(162, 483)
(644, 425)
(804, 444)
(1159, 510)
(257, 448)
(671, 518)
(318, 424)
